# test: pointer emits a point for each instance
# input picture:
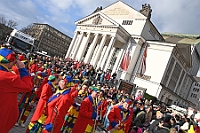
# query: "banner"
(127, 57)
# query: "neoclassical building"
(113, 35)
(121, 39)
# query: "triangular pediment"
(97, 18)
(121, 10)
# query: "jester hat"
(69, 81)
(7, 55)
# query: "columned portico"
(77, 45)
(100, 48)
(110, 45)
(109, 59)
(117, 63)
(83, 47)
(72, 44)
(91, 49)
(94, 54)
(102, 55)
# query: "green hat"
(94, 88)
(51, 78)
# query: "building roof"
(197, 79)
(191, 39)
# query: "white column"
(71, 44)
(109, 58)
(83, 48)
(91, 48)
(99, 50)
(117, 61)
(94, 54)
(78, 45)
(102, 55)
(110, 45)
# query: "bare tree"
(6, 27)
(26, 29)
(3, 19)
(12, 24)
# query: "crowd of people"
(70, 96)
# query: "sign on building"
(126, 86)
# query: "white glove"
(117, 126)
(97, 118)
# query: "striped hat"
(7, 55)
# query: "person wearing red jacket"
(40, 80)
(87, 118)
(39, 115)
(56, 114)
(70, 118)
(10, 85)
(102, 105)
(107, 76)
(33, 67)
(120, 118)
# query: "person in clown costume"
(27, 102)
(70, 118)
(57, 110)
(39, 115)
(120, 118)
(11, 85)
(88, 114)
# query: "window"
(168, 71)
(152, 32)
(181, 78)
(127, 22)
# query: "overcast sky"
(177, 16)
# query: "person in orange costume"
(62, 105)
(39, 115)
(120, 118)
(86, 120)
(10, 85)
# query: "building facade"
(167, 68)
(106, 37)
(120, 39)
(50, 40)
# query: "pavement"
(20, 129)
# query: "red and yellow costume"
(87, 116)
(72, 114)
(41, 110)
(10, 85)
(118, 117)
(25, 105)
(61, 106)
(102, 107)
